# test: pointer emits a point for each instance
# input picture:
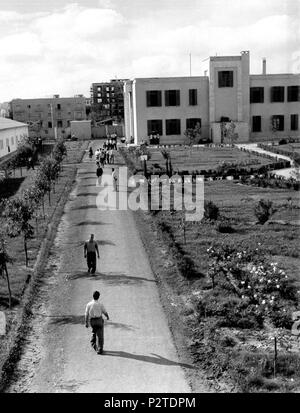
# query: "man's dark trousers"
(91, 261)
(97, 325)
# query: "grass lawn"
(291, 147)
(203, 158)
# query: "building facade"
(107, 100)
(261, 107)
(49, 118)
(11, 133)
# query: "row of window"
(172, 97)
(12, 142)
(277, 94)
(277, 121)
(172, 126)
(49, 105)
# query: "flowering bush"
(262, 288)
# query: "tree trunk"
(167, 167)
(8, 286)
(43, 206)
(49, 195)
(26, 252)
(36, 224)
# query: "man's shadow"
(155, 359)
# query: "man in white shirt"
(93, 315)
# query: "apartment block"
(49, 117)
(107, 99)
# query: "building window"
(7, 142)
(192, 97)
(278, 122)
(29, 106)
(294, 122)
(256, 123)
(277, 94)
(59, 124)
(153, 97)
(293, 93)
(68, 123)
(191, 123)
(49, 124)
(173, 127)
(107, 89)
(12, 140)
(172, 97)
(225, 78)
(154, 126)
(58, 106)
(1, 144)
(256, 95)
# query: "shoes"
(100, 351)
(94, 347)
(89, 269)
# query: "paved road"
(139, 354)
(286, 172)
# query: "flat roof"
(6, 123)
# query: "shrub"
(225, 227)
(211, 211)
(263, 210)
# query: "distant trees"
(20, 210)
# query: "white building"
(11, 132)
(255, 103)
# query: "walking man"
(114, 175)
(90, 249)
(93, 316)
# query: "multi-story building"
(11, 133)
(107, 100)
(49, 117)
(166, 106)
(260, 106)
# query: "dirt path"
(286, 172)
(139, 355)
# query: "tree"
(193, 134)
(263, 210)
(167, 157)
(34, 197)
(230, 132)
(143, 151)
(18, 213)
(4, 260)
(42, 183)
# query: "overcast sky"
(62, 46)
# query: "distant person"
(91, 152)
(99, 173)
(90, 250)
(114, 175)
(111, 156)
(93, 316)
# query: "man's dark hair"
(96, 295)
